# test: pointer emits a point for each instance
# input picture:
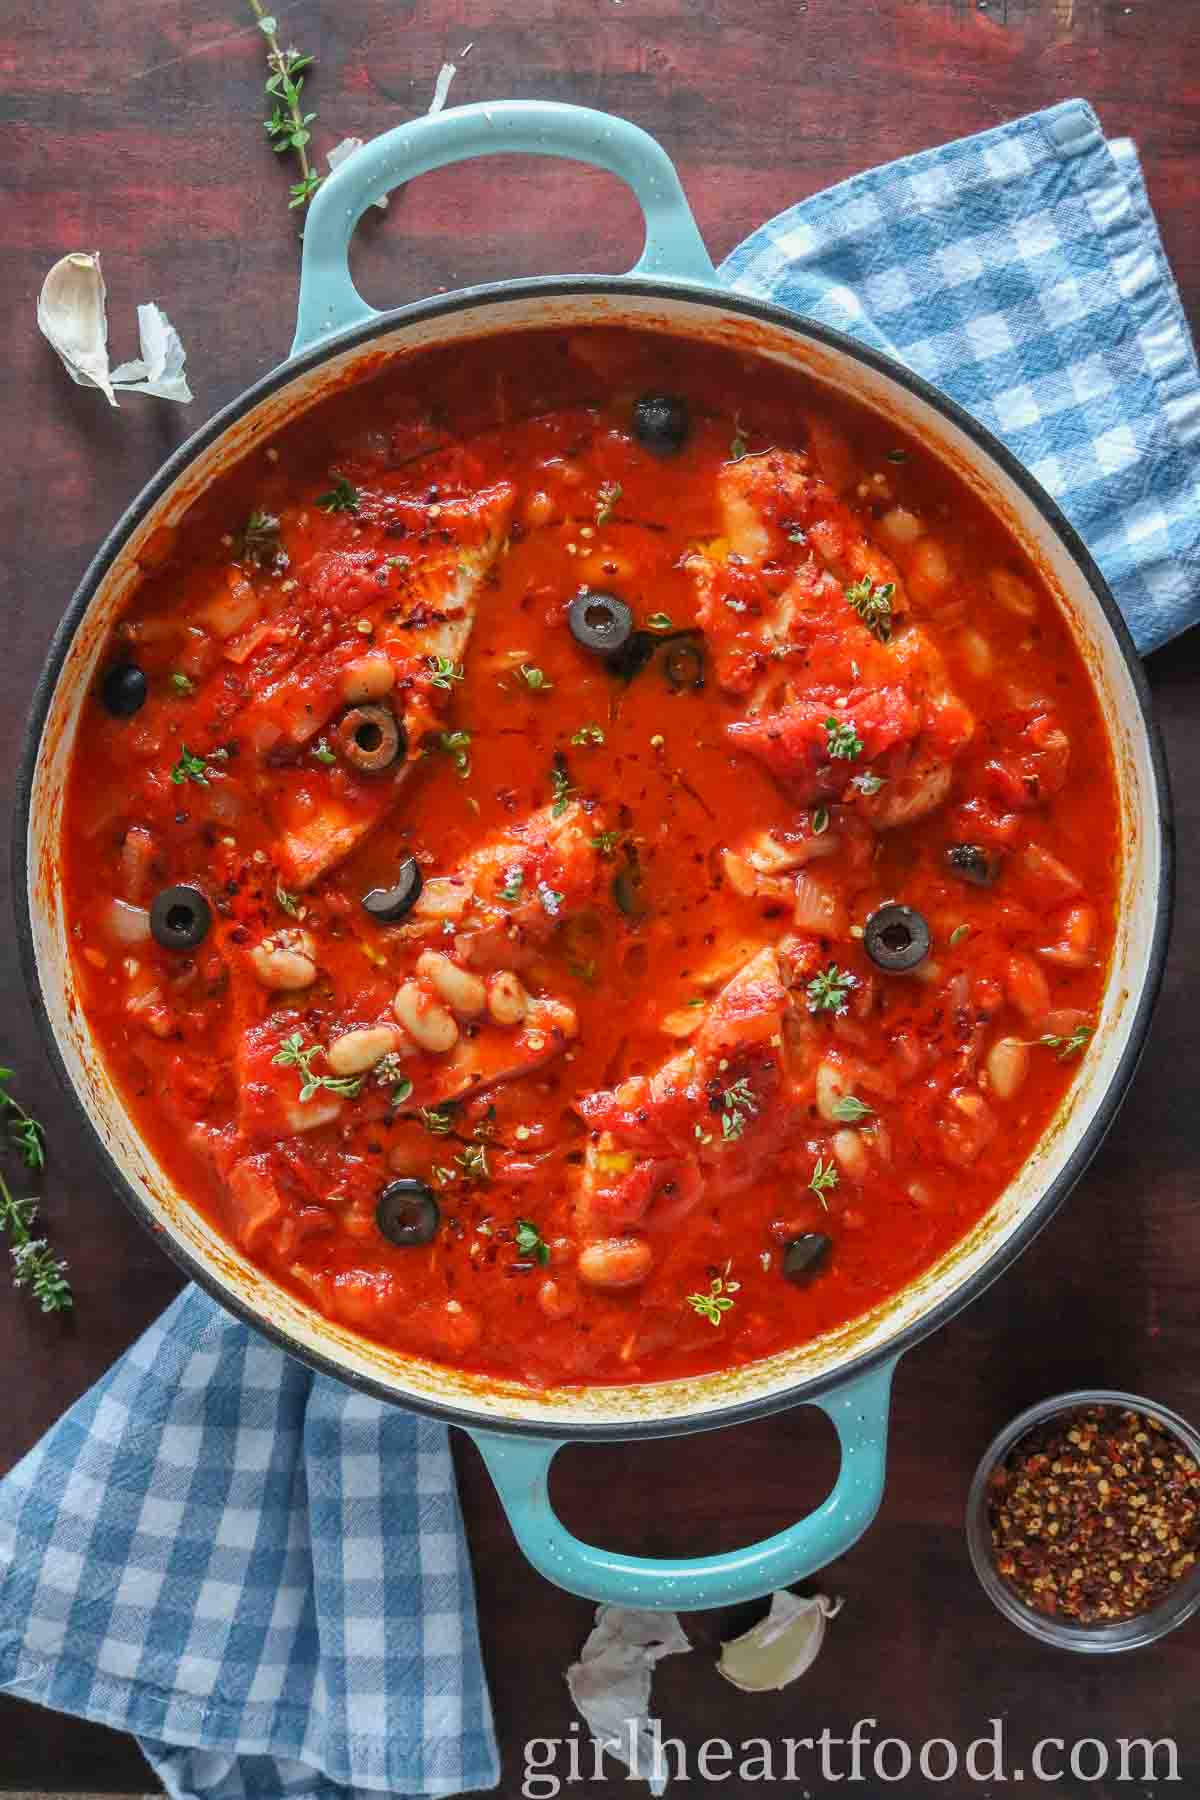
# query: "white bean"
(428, 1024)
(900, 526)
(618, 1262)
(1007, 1066)
(977, 653)
(1013, 594)
(832, 1085)
(357, 1051)
(507, 999)
(929, 571)
(367, 678)
(851, 1152)
(286, 960)
(463, 992)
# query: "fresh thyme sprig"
(294, 1054)
(25, 1131)
(35, 1265)
(287, 127)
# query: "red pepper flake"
(1095, 1515)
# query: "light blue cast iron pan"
(672, 288)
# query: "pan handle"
(520, 1468)
(330, 302)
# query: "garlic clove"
(781, 1647)
(72, 315)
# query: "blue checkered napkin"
(1022, 272)
(256, 1570)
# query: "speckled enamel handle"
(520, 1468)
(330, 302)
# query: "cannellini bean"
(287, 959)
(1007, 1066)
(1026, 988)
(367, 678)
(554, 1015)
(1013, 594)
(428, 1024)
(555, 1301)
(461, 1326)
(539, 508)
(357, 1051)
(463, 992)
(851, 1152)
(832, 1084)
(617, 1262)
(977, 653)
(900, 526)
(929, 570)
(1076, 947)
(507, 999)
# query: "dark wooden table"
(136, 130)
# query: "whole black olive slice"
(370, 737)
(805, 1256)
(600, 622)
(407, 1213)
(124, 690)
(661, 423)
(180, 918)
(684, 664)
(970, 862)
(896, 938)
(389, 904)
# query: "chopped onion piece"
(128, 924)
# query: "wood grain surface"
(136, 129)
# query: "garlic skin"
(72, 314)
(610, 1684)
(781, 1647)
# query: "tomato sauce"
(624, 1092)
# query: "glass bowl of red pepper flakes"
(1083, 1521)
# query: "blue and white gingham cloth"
(261, 1573)
(255, 1569)
(1022, 272)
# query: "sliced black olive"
(407, 1213)
(389, 904)
(971, 863)
(600, 622)
(639, 648)
(180, 918)
(684, 664)
(661, 423)
(370, 737)
(124, 690)
(896, 938)
(805, 1256)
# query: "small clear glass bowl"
(1178, 1604)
